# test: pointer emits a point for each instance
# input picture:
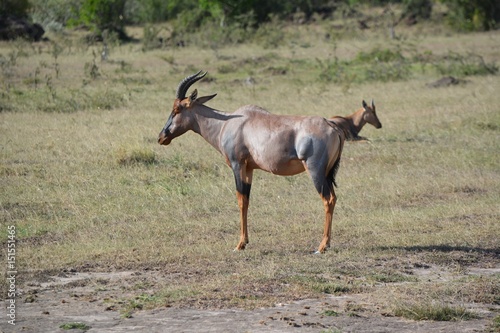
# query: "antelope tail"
(336, 165)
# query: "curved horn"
(186, 83)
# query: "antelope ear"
(204, 99)
(364, 104)
(193, 96)
(373, 104)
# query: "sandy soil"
(71, 297)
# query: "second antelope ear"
(192, 97)
(364, 104)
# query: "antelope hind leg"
(329, 204)
(329, 199)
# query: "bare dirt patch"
(102, 302)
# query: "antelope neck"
(209, 123)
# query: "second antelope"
(252, 138)
(352, 124)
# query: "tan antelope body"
(252, 138)
(352, 124)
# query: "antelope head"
(182, 117)
(370, 116)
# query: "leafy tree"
(153, 11)
(417, 9)
(473, 15)
(101, 15)
(54, 12)
(17, 8)
(263, 10)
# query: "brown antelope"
(252, 138)
(353, 123)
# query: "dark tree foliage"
(417, 9)
(263, 10)
(153, 11)
(17, 8)
(104, 15)
(473, 15)
(246, 15)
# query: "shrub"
(417, 9)
(54, 14)
(270, 35)
(463, 65)
(473, 15)
(375, 65)
(101, 15)
(151, 40)
(153, 11)
(378, 55)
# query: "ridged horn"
(186, 83)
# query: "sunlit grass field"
(88, 187)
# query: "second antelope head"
(370, 116)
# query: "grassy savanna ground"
(88, 188)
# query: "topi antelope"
(353, 123)
(252, 138)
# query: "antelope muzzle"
(165, 136)
(163, 139)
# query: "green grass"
(330, 313)
(87, 185)
(75, 326)
(495, 325)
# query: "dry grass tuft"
(437, 312)
(136, 156)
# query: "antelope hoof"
(321, 250)
(240, 247)
(325, 244)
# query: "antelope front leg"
(243, 179)
(243, 201)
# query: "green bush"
(264, 10)
(101, 15)
(463, 65)
(378, 55)
(417, 9)
(375, 65)
(473, 15)
(198, 27)
(270, 35)
(54, 14)
(154, 11)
